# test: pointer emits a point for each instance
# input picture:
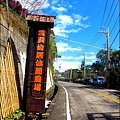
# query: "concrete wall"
(19, 41)
(49, 82)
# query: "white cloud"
(61, 31)
(64, 47)
(94, 60)
(66, 65)
(70, 6)
(68, 62)
(57, 31)
(81, 57)
(92, 53)
(54, 1)
(62, 22)
(65, 20)
(59, 9)
(66, 58)
(79, 20)
(79, 17)
(90, 57)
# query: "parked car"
(87, 81)
(91, 81)
(99, 80)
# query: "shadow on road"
(117, 93)
(90, 86)
(106, 116)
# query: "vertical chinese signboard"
(36, 63)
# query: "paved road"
(88, 102)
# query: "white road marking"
(67, 105)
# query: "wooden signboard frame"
(36, 63)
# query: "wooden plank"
(40, 18)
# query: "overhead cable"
(109, 11)
(113, 13)
(114, 39)
(104, 12)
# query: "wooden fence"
(9, 101)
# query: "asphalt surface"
(57, 108)
(86, 102)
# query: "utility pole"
(71, 74)
(119, 41)
(108, 54)
(8, 15)
(84, 67)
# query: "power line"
(109, 12)
(113, 13)
(114, 25)
(93, 41)
(114, 39)
(79, 43)
(97, 38)
(104, 12)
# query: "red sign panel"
(36, 64)
(36, 70)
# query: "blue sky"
(76, 28)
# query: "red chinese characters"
(39, 61)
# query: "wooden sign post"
(36, 63)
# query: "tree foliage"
(24, 7)
(102, 57)
(16, 6)
(33, 6)
(100, 66)
(52, 51)
(115, 69)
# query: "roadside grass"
(15, 116)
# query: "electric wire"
(104, 12)
(79, 43)
(109, 11)
(97, 35)
(114, 25)
(114, 39)
(108, 22)
(93, 41)
(113, 13)
(113, 29)
(112, 16)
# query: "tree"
(33, 6)
(102, 57)
(115, 59)
(115, 71)
(100, 66)
(52, 52)
(97, 68)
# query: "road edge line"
(104, 95)
(67, 104)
